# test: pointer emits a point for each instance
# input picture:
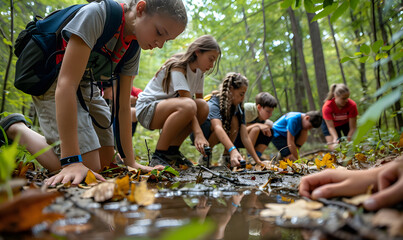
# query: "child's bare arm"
(291, 146)
(248, 144)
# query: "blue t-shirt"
(214, 110)
(291, 121)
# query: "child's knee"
(189, 106)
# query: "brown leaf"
(357, 200)
(25, 210)
(390, 218)
(101, 192)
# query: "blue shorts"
(345, 128)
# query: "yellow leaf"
(142, 195)
(90, 179)
(360, 157)
(122, 186)
(289, 162)
(318, 163)
(283, 164)
(131, 196)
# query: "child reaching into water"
(226, 119)
(168, 102)
(149, 23)
(340, 115)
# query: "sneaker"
(158, 159)
(178, 159)
(6, 122)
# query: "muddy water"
(232, 210)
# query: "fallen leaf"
(101, 192)
(25, 210)
(90, 179)
(122, 187)
(357, 200)
(142, 195)
(360, 157)
(390, 218)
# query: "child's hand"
(335, 183)
(149, 169)
(390, 186)
(75, 173)
(235, 157)
(199, 142)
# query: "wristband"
(69, 160)
(232, 148)
(235, 205)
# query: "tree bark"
(363, 76)
(10, 56)
(299, 46)
(318, 59)
(337, 50)
(252, 49)
(391, 68)
(266, 58)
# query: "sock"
(173, 149)
(134, 126)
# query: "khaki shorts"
(146, 115)
(90, 137)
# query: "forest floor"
(257, 202)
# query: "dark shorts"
(345, 128)
(280, 143)
(206, 129)
(261, 139)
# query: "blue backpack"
(38, 45)
(41, 42)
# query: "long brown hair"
(203, 44)
(231, 81)
(337, 89)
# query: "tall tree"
(266, 58)
(318, 58)
(358, 30)
(10, 55)
(298, 41)
(337, 49)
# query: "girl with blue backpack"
(83, 146)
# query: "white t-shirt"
(193, 83)
(250, 112)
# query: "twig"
(148, 151)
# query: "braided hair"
(231, 81)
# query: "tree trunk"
(337, 51)
(363, 76)
(391, 68)
(266, 58)
(318, 59)
(299, 46)
(252, 50)
(10, 56)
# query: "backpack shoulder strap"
(113, 20)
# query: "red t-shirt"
(330, 111)
(135, 92)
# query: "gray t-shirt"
(193, 83)
(88, 24)
(215, 113)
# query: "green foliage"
(8, 161)
(193, 230)
(371, 116)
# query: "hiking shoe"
(6, 122)
(158, 159)
(178, 159)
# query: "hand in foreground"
(334, 183)
(390, 186)
(75, 173)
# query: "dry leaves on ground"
(25, 210)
